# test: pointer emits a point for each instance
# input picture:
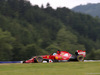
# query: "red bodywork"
(80, 52)
(62, 55)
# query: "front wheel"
(23, 61)
(80, 58)
(39, 59)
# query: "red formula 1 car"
(60, 56)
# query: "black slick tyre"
(80, 58)
(39, 59)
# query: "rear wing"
(81, 52)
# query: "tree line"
(27, 30)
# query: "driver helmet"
(58, 52)
(54, 53)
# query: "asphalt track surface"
(7, 62)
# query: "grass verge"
(66, 68)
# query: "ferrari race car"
(60, 56)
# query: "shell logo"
(62, 53)
(56, 57)
(47, 56)
(60, 57)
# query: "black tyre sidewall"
(38, 59)
(79, 57)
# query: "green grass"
(68, 68)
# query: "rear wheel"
(80, 58)
(39, 59)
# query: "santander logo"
(66, 54)
(83, 53)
